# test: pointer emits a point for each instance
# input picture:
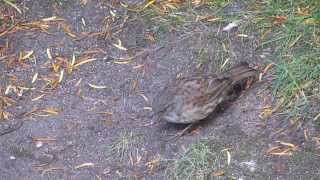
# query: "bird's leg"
(181, 133)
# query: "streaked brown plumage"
(191, 99)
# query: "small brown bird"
(191, 99)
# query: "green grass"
(296, 46)
(305, 161)
(198, 161)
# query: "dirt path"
(93, 122)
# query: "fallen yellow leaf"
(97, 86)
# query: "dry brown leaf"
(265, 112)
(78, 82)
(242, 35)
(306, 136)
(150, 36)
(267, 68)
(214, 19)
(45, 170)
(295, 41)
(148, 4)
(49, 53)
(218, 173)
(147, 108)
(39, 25)
(13, 5)
(4, 115)
(84, 165)
(278, 105)
(113, 14)
(34, 78)
(286, 152)
(303, 11)
(98, 177)
(84, 62)
(52, 18)
(284, 149)
(287, 144)
(207, 18)
(224, 63)
(144, 97)
(38, 98)
(43, 139)
(27, 55)
(196, 2)
(317, 117)
(8, 89)
(272, 149)
(228, 157)
(83, 21)
(119, 45)
(7, 100)
(55, 67)
(51, 110)
(138, 66)
(97, 86)
(122, 62)
(67, 30)
(71, 64)
(105, 113)
(61, 76)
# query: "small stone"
(12, 157)
(39, 144)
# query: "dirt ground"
(95, 122)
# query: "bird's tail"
(241, 72)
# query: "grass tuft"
(122, 147)
(292, 29)
(198, 162)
